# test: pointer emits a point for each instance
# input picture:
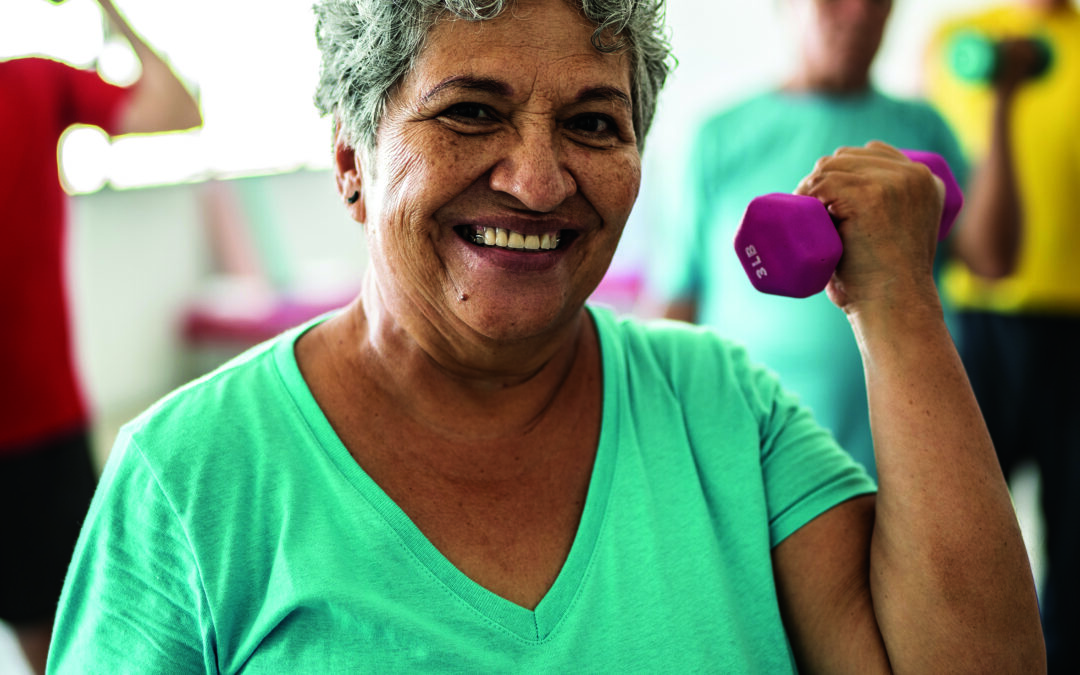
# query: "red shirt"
(39, 99)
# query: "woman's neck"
(454, 378)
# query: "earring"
(352, 199)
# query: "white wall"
(140, 258)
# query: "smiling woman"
(527, 131)
(467, 468)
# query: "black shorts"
(1024, 370)
(45, 491)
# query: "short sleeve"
(762, 458)
(804, 470)
(84, 98)
(132, 601)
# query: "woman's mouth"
(504, 238)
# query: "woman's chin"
(502, 320)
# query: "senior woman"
(468, 469)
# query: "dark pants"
(1026, 374)
(45, 490)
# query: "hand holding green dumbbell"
(977, 58)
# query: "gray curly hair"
(368, 45)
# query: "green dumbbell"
(976, 58)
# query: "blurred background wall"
(154, 302)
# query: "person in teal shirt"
(468, 469)
(762, 145)
(669, 519)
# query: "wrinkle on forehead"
(453, 41)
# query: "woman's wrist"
(897, 319)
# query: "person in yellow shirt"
(1008, 81)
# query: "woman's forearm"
(950, 577)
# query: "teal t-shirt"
(233, 531)
(765, 144)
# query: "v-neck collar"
(530, 625)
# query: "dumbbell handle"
(788, 244)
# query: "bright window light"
(254, 68)
(84, 159)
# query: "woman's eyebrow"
(490, 85)
(472, 83)
(612, 95)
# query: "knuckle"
(919, 177)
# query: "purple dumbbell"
(788, 244)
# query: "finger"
(844, 193)
(885, 150)
(874, 154)
(873, 148)
(865, 160)
(844, 158)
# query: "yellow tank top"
(1046, 151)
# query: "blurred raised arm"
(988, 239)
(160, 101)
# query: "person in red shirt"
(46, 473)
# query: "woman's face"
(505, 169)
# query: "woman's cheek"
(611, 184)
(434, 167)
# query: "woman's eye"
(469, 111)
(593, 124)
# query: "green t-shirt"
(765, 144)
(233, 531)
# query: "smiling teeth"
(503, 238)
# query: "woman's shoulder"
(218, 390)
(228, 408)
(688, 356)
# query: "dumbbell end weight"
(954, 196)
(788, 244)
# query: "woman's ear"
(348, 176)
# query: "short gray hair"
(368, 45)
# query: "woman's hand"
(887, 209)
(933, 569)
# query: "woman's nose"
(534, 172)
